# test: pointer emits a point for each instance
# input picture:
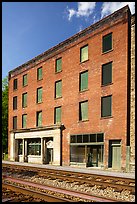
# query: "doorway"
(115, 154)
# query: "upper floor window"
(39, 95)
(83, 110)
(15, 122)
(84, 53)
(58, 65)
(14, 102)
(24, 100)
(58, 89)
(106, 106)
(39, 119)
(107, 73)
(57, 118)
(83, 81)
(39, 73)
(107, 43)
(25, 80)
(24, 120)
(15, 84)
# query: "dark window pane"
(79, 138)
(107, 73)
(15, 103)
(106, 106)
(86, 138)
(92, 137)
(73, 139)
(15, 122)
(15, 84)
(107, 42)
(100, 137)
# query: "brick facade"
(114, 127)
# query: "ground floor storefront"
(85, 150)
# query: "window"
(58, 89)
(84, 53)
(39, 95)
(58, 65)
(39, 119)
(14, 102)
(107, 42)
(39, 73)
(15, 84)
(25, 80)
(24, 121)
(24, 100)
(57, 115)
(15, 122)
(106, 106)
(83, 81)
(107, 73)
(34, 147)
(83, 110)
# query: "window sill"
(24, 85)
(58, 98)
(39, 79)
(86, 120)
(84, 61)
(107, 52)
(83, 91)
(106, 117)
(58, 72)
(39, 102)
(24, 107)
(106, 84)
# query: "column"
(23, 150)
(42, 151)
(26, 154)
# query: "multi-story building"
(71, 104)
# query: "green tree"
(5, 115)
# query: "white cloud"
(84, 9)
(110, 7)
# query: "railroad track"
(82, 181)
(48, 193)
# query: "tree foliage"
(5, 114)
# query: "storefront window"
(20, 147)
(34, 147)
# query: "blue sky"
(31, 28)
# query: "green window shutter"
(107, 42)
(24, 100)
(39, 95)
(106, 106)
(84, 54)
(84, 110)
(58, 65)
(58, 89)
(107, 73)
(84, 81)
(39, 118)
(24, 121)
(25, 80)
(58, 115)
(39, 73)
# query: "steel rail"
(80, 195)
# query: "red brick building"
(71, 104)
